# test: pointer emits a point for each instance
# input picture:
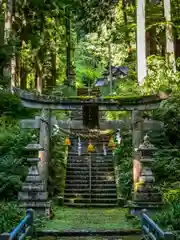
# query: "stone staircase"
(90, 178)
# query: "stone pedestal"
(33, 194)
(145, 194)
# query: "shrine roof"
(111, 103)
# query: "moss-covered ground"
(89, 219)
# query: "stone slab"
(36, 187)
(33, 179)
(36, 204)
(32, 196)
(76, 124)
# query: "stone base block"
(40, 208)
(137, 207)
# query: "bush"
(123, 166)
(166, 165)
(11, 215)
(13, 164)
(11, 106)
(169, 113)
(169, 219)
(13, 139)
(57, 166)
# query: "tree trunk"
(1, 25)
(53, 69)
(7, 32)
(141, 42)
(148, 46)
(1, 37)
(39, 81)
(177, 44)
(23, 76)
(9, 72)
(40, 59)
(68, 47)
(126, 24)
(151, 47)
(169, 36)
(18, 67)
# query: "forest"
(54, 47)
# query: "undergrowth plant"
(11, 215)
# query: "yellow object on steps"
(111, 143)
(67, 141)
(90, 148)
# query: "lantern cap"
(34, 147)
(146, 144)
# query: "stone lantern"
(145, 194)
(33, 193)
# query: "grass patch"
(89, 219)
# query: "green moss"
(127, 99)
(92, 219)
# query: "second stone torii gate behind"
(45, 126)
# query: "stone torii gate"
(48, 103)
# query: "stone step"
(93, 156)
(102, 190)
(95, 205)
(93, 186)
(86, 181)
(95, 144)
(86, 171)
(93, 161)
(86, 160)
(94, 190)
(102, 169)
(77, 186)
(94, 165)
(77, 191)
(92, 200)
(101, 186)
(93, 168)
(99, 154)
(93, 195)
(86, 176)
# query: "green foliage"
(13, 165)
(123, 166)
(169, 113)
(172, 196)
(11, 215)
(57, 166)
(160, 76)
(11, 106)
(168, 219)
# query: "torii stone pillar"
(44, 140)
(137, 134)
